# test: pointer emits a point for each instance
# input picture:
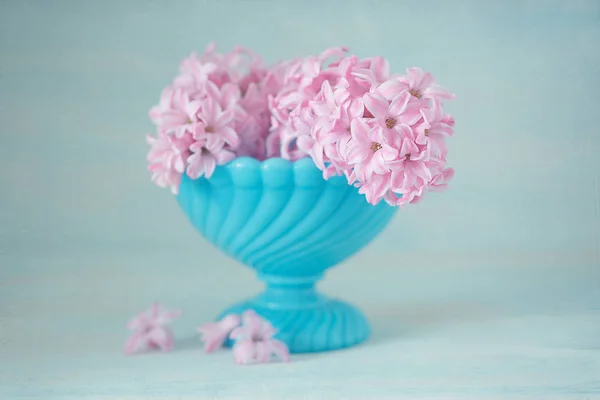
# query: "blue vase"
(285, 221)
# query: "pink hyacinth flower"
(376, 188)
(167, 159)
(223, 106)
(207, 153)
(440, 174)
(214, 334)
(150, 330)
(434, 129)
(440, 181)
(410, 195)
(368, 150)
(216, 122)
(193, 74)
(410, 169)
(227, 97)
(254, 341)
(375, 71)
(176, 112)
(403, 109)
(418, 83)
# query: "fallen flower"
(150, 330)
(254, 341)
(214, 334)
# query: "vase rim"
(251, 162)
(273, 172)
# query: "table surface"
(464, 333)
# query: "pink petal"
(375, 189)
(224, 156)
(212, 336)
(279, 349)
(408, 147)
(244, 351)
(267, 331)
(391, 88)
(356, 108)
(135, 343)
(179, 165)
(262, 352)
(439, 92)
(197, 146)
(377, 165)
(194, 170)
(327, 93)
(305, 143)
(230, 95)
(416, 199)
(420, 169)
(251, 326)
(230, 136)
(209, 112)
(138, 322)
(209, 165)
(215, 334)
(191, 109)
(365, 75)
(230, 321)
(252, 320)
(357, 154)
(394, 137)
(376, 134)
(198, 130)
(448, 119)
(214, 143)
(437, 111)
(440, 181)
(398, 176)
(161, 337)
(341, 96)
(224, 117)
(440, 129)
(359, 130)
(380, 68)
(387, 152)
(399, 104)
(377, 105)
(417, 78)
(333, 52)
(311, 68)
(239, 333)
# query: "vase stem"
(305, 320)
(284, 292)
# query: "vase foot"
(329, 325)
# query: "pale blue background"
(489, 290)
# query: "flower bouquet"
(294, 167)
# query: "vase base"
(329, 325)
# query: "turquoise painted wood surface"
(487, 291)
(457, 331)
